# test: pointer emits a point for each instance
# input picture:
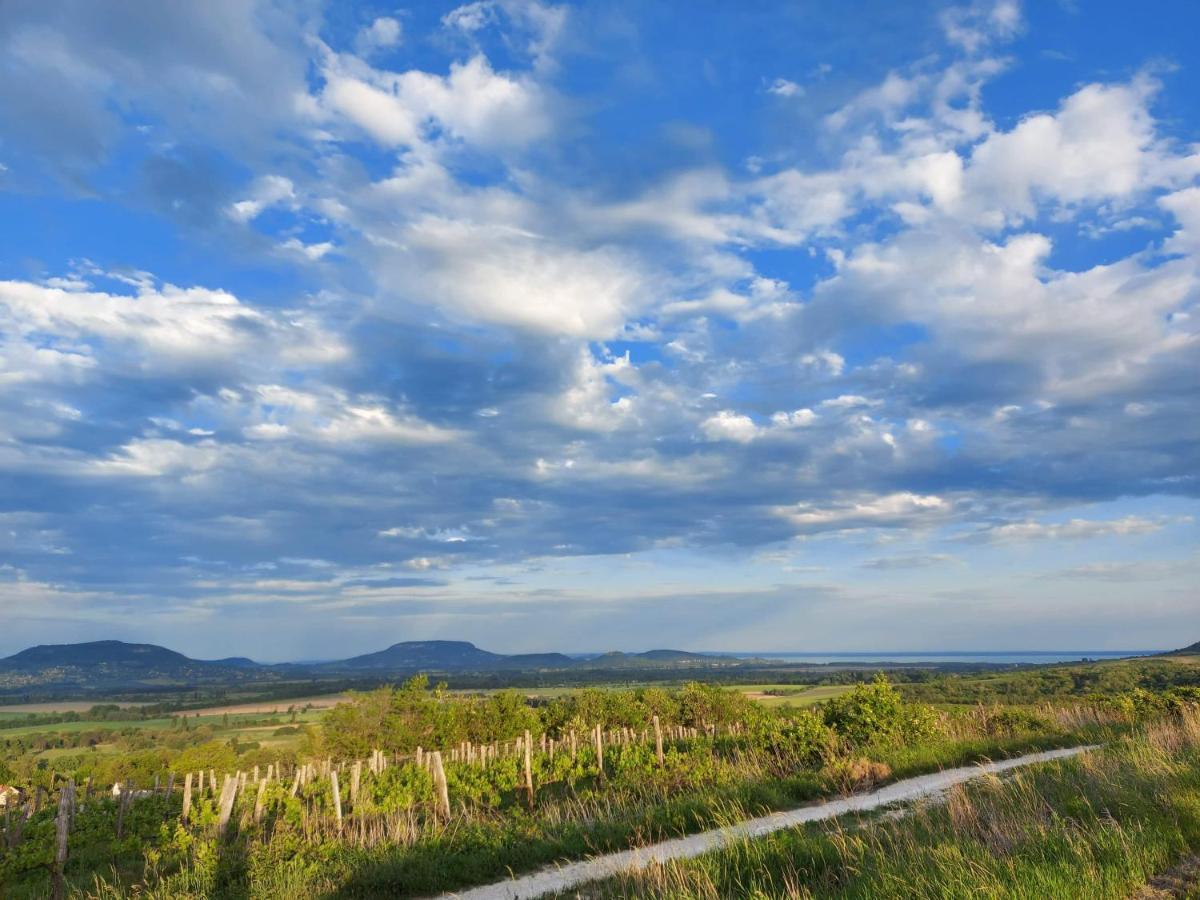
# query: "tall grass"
(1095, 826)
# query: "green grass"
(1097, 826)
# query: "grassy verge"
(1097, 826)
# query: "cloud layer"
(387, 326)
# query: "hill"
(1190, 649)
(96, 667)
(462, 656)
(438, 655)
(95, 654)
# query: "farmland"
(348, 799)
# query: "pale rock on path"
(570, 875)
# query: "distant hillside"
(439, 655)
(462, 656)
(96, 666)
(1191, 649)
(93, 654)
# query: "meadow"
(416, 789)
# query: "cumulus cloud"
(1100, 145)
(727, 425)
(472, 103)
(161, 329)
(493, 274)
(382, 33)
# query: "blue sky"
(599, 325)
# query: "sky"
(608, 325)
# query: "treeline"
(1032, 686)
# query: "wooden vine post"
(441, 791)
(228, 795)
(599, 735)
(528, 769)
(187, 798)
(355, 781)
(337, 797)
(259, 800)
(658, 750)
(122, 805)
(62, 829)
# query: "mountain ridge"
(75, 661)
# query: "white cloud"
(381, 34)
(328, 415)
(588, 402)
(313, 252)
(1074, 529)
(266, 192)
(888, 99)
(973, 26)
(471, 17)
(156, 457)
(166, 329)
(847, 401)
(799, 418)
(495, 274)
(781, 87)
(728, 425)
(473, 103)
(1099, 145)
(900, 509)
(1184, 205)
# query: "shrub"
(802, 740)
(876, 713)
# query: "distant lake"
(950, 656)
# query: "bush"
(876, 713)
(798, 741)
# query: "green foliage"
(798, 741)
(876, 713)
(1142, 705)
(400, 719)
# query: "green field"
(792, 695)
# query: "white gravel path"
(569, 875)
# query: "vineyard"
(517, 786)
